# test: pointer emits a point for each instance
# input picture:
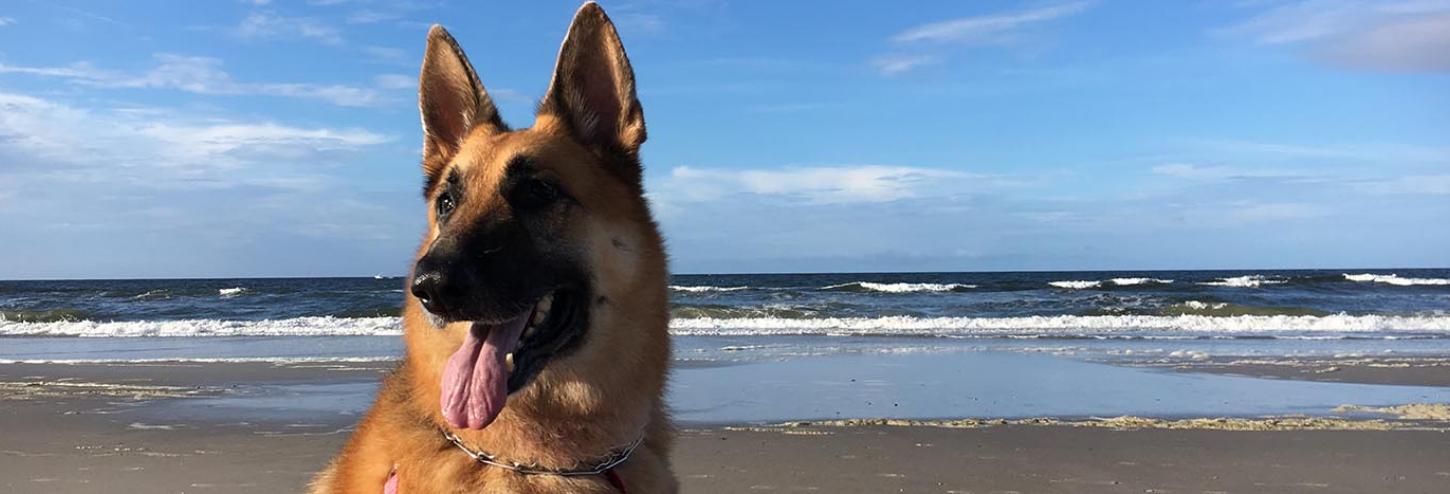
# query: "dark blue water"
(1351, 303)
(1398, 292)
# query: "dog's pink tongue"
(475, 380)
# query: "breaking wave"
(1393, 279)
(1247, 281)
(299, 326)
(1050, 325)
(698, 289)
(1084, 284)
(1031, 326)
(867, 286)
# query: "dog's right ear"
(452, 101)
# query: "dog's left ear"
(452, 101)
(593, 86)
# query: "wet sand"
(106, 428)
(1427, 371)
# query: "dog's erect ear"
(593, 86)
(452, 101)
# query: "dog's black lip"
(559, 331)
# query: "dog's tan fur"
(606, 392)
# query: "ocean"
(1400, 304)
(926, 344)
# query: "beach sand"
(1426, 371)
(169, 428)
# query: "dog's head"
(531, 230)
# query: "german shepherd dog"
(536, 323)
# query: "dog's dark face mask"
(514, 214)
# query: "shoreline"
(1396, 371)
(209, 427)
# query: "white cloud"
(366, 16)
(6, 21)
(1412, 184)
(172, 190)
(1216, 173)
(389, 55)
(987, 29)
(1402, 35)
(267, 25)
(639, 23)
(818, 184)
(147, 146)
(200, 75)
(1255, 212)
(396, 81)
(901, 63)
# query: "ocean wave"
(160, 293)
(728, 311)
(1225, 309)
(867, 286)
(1140, 281)
(1076, 285)
(698, 289)
(1086, 284)
(299, 326)
(1033, 325)
(1246, 281)
(1393, 279)
(53, 315)
(208, 360)
(1027, 326)
(231, 292)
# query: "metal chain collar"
(614, 458)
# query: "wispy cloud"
(1410, 185)
(988, 29)
(396, 81)
(817, 184)
(6, 21)
(268, 25)
(640, 22)
(180, 189)
(901, 63)
(200, 75)
(154, 146)
(389, 55)
(1223, 173)
(1396, 36)
(368, 16)
(994, 29)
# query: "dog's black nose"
(431, 287)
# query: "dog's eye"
(445, 204)
(538, 192)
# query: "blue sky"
(257, 138)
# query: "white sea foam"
(1393, 279)
(697, 289)
(206, 360)
(1031, 326)
(300, 326)
(1075, 284)
(1084, 284)
(902, 287)
(1196, 305)
(1139, 281)
(1049, 325)
(1247, 281)
(231, 292)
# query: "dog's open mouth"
(499, 358)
